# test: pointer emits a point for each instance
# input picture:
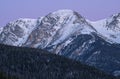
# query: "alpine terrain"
(67, 33)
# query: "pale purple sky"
(90, 9)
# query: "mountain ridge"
(67, 33)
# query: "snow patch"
(1, 29)
(116, 73)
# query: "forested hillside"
(29, 63)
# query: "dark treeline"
(30, 63)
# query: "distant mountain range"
(67, 33)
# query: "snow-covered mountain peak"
(116, 16)
(65, 12)
(109, 28)
(57, 27)
(61, 24)
(113, 22)
(16, 32)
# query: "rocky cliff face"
(67, 33)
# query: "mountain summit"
(67, 33)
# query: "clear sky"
(90, 9)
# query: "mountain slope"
(28, 63)
(16, 33)
(109, 28)
(57, 27)
(94, 51)
(67, 33)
